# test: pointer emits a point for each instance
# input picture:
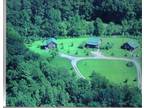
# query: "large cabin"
(93, 42)
(49, 44)
(130, 46)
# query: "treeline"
(32, 81)
(44, 18)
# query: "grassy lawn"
(115, 71)
(70, 46)
(116, 50)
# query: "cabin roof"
(94, 41)
(133, 43)
(49, 41)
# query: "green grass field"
(116, 50)
(114, 71)
(70, 46)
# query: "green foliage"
(107, 46)
(63, 28)
(115, 10)
(135, 27)
(82, 45)
(132, 27)
(113, 29)
(79, 26)
(45, 18)
(129, 64)
(99, 27)
(50, 25)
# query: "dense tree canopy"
(45, 18)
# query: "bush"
(68, 51)
(129, 64)
(112, 54)
(126, 55)
(82, 45)
(72, 44)
(87, 54)
(61, 43)
(76, 53)
(107, 46)
(71, 68)
(62, 47)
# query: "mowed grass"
(117, 51)
(70, 46)
(115, 71)
(65, 46)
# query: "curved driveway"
(74, 61)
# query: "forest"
(32, 81)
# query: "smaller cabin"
(130, 46)
(93, 42)
(49, 44)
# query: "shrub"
(112, 54)
(82, 45)
(135, 80)
(76, 53)
(129, 64)
(72, 44)
(62, 47)
(125, 55)
(68, 51)
(38, 46)
(87, 54)
(125, 81)
(61, 44)
(137, 55)
(108, 45)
